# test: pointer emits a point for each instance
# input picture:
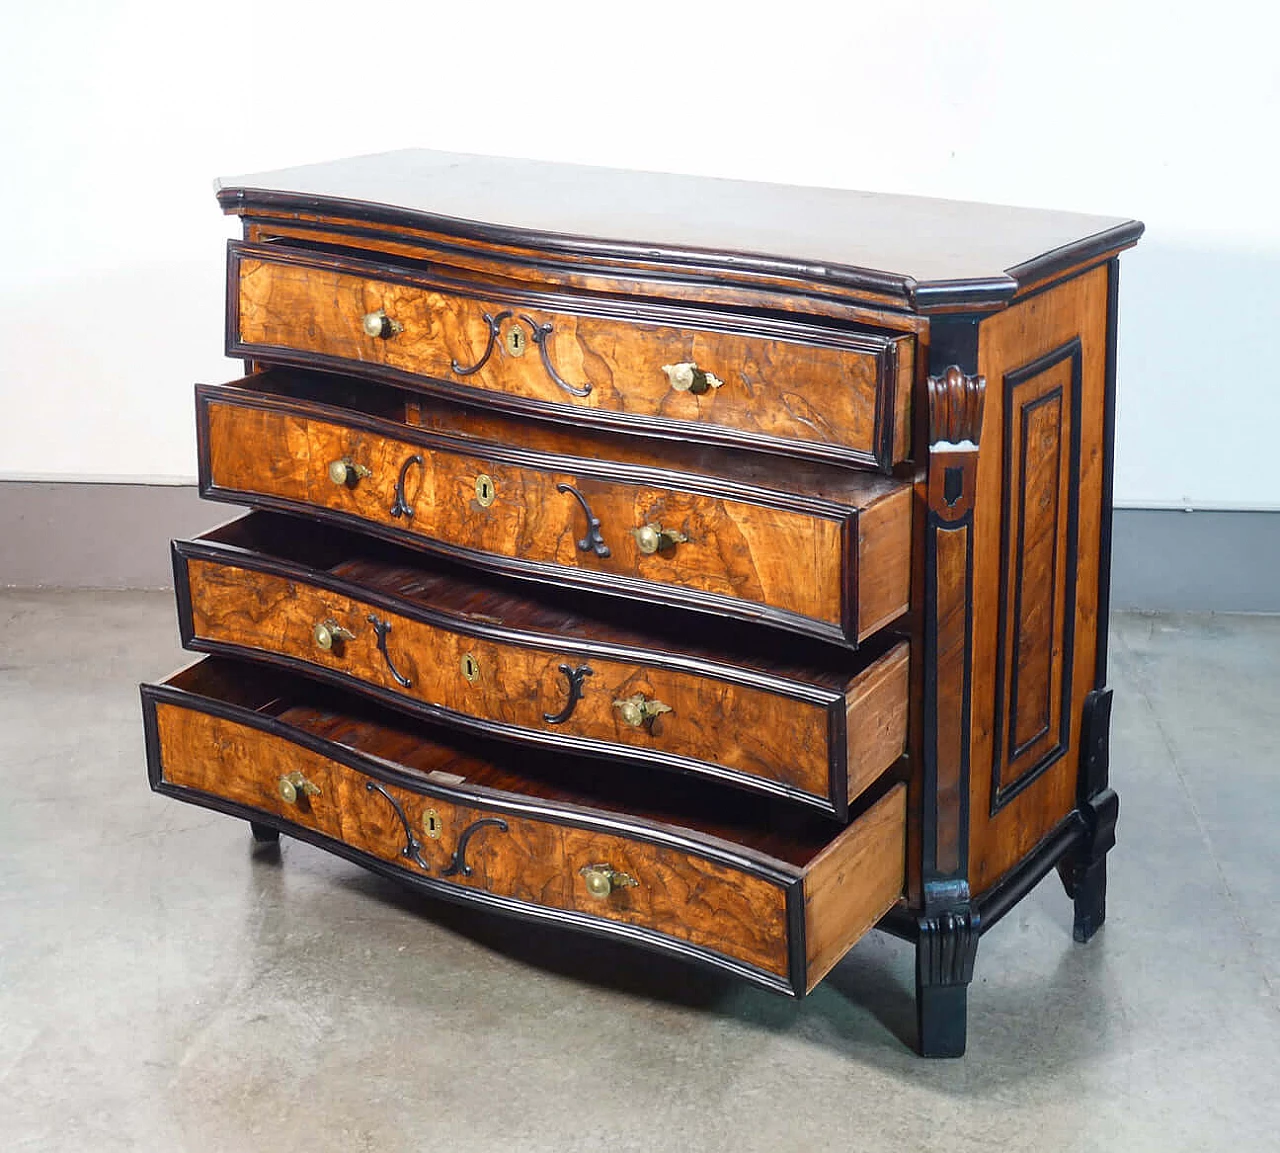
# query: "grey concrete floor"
(165, 986)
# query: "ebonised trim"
(860, 342)
(1100, 244)
(665, 275)
(721, 852)
(611, 584)
(835, 805)
(1107, 515)
(566, 918)
(1002, 794)
(244, 201)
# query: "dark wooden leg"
(264, 834)
(945, 952)
(1084, 872)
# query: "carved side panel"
(1038, 567)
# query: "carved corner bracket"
(955, 408)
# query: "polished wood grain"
(853, 882)
(677, 894)
(714, 872)
(1011, 343)
(877, 710)
(785, 390)
(881, 242)
(636, 277)
(738, 550)
(751, 731)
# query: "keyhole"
(470, 668)
(486, 490)
(431, 824)
(515, 340)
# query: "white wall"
(116, 116)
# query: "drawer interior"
(484, 770)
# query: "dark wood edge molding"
(1105, 244)
(997, 901)
(637, 310)
(221, 553)
(655, 426)
(559, 813)
(1002, 793)
(769, 289)
(536, 571)
(244, 201)
(567, 918)
(244, 395)
(836, 805)
(1107, 517)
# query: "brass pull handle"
(380, 325)
(602, 880)
(294, 787)
(654, 538)
(688, 377)
(347, 472)
(329, 633)
(639, 710)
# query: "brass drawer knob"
(602, 880)
(380, 325)
(294, 787)
(329, 633)
(688, 377)
(654, 538)
(347, 472)
(639, 710)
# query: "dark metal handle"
(402, 508)
(593, 541)
(412, 846)
(382, 628)
(495, 324)
(458, 864)
(575, 677)
(540, 334)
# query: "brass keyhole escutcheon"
(432, 824)
(486, 490)
(470, 668)
(517, 340)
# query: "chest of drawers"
(717, 567)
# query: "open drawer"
(718, 876)
(814, 724)
(811, 548)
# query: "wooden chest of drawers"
(714, 566)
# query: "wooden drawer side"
(853, 883)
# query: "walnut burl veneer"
(273, 438)
(720, 567)
(454, 645)
(769, 896)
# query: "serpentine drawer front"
(787, 385)
(772, 897)
(703, 538)
(469, 649)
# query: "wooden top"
(909, 245)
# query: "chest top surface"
(896, 243)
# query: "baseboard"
(112, 536)
(63, 535)
(1166, 560)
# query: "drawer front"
(741, 558)
(534, 693)
(676, 894)
(787, 386)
